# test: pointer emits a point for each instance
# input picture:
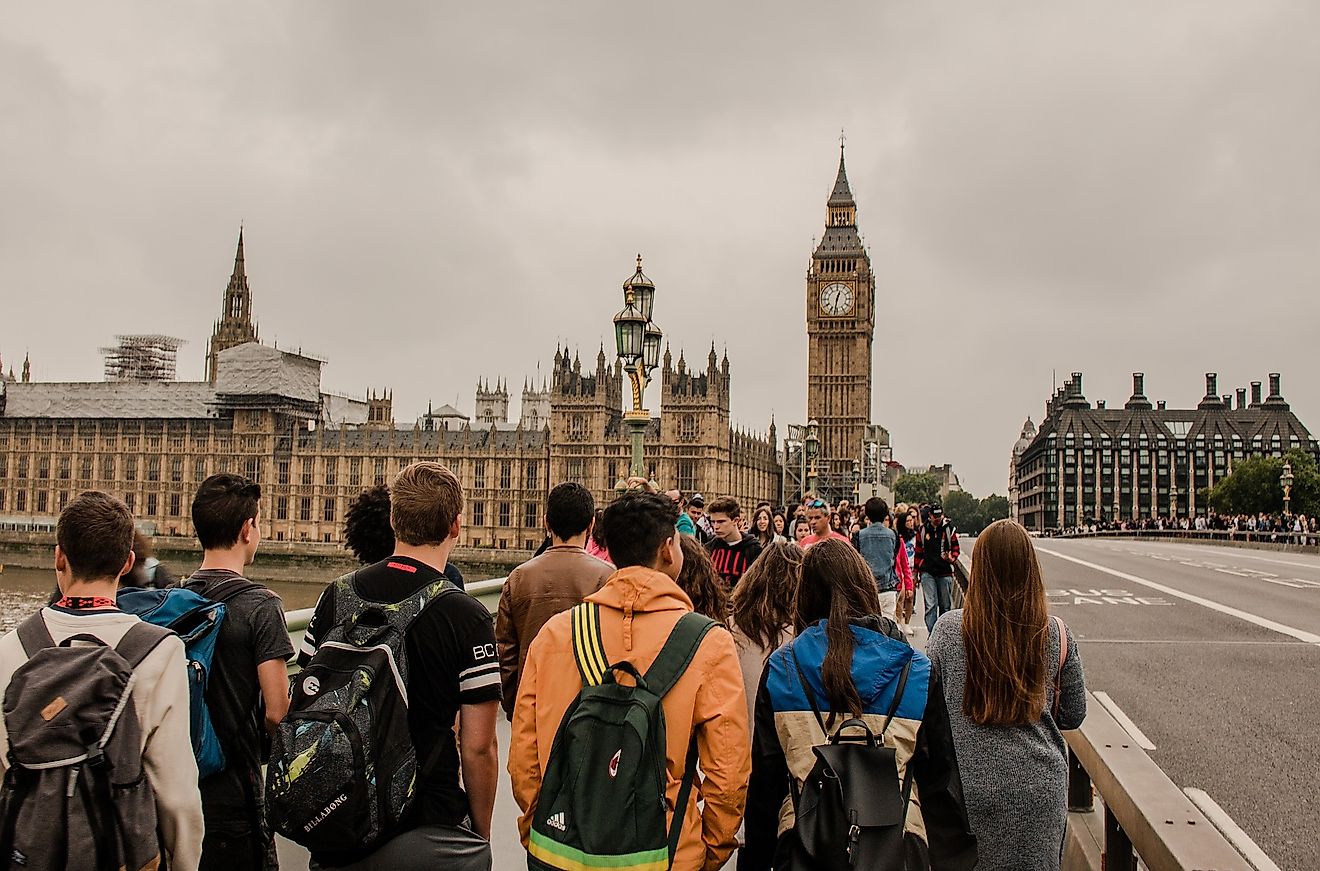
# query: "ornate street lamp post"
(637, 340)
(1286, 479)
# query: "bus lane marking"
(1256, 619)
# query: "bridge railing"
(1283, 540)
(1145, 814)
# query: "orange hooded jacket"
(638, 609)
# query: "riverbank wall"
(289, 561)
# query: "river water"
(23, 591)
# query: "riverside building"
(1087, 463)
(262, 413)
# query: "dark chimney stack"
(1100, 404)
(1211, 384)
(1255, 394)
(1274, 384)
(1161, 405)
(1138, 383)
(1241, 398)
(1228, 400)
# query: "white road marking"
(1231, 572)
(1292, 631)
(1125, 721)
(1231, 830)
(1264, 559)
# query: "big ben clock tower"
(840, 331)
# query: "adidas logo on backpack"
(556, 821)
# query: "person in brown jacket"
(555, 581)
(639, 606)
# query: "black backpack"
(343, 770)
(851, 811)
(602, 802)
(76, 796)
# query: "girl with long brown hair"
(847, 661)
(702, 583)
(1012, 680)
(763, 611)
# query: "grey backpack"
(75, 796)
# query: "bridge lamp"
(1286, 481)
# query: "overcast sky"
(436, 192)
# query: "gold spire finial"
(639, 262)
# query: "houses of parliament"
(262, 412)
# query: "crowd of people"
(662, 642)
(1276, 527)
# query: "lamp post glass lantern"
(637, 341)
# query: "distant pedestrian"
(937, 551)
(596, 545)
(906, 519)
(880, 547)
(148, 572)
(801, 530)
(820, 519)
(731, 550)
(554, 581)
(763, 527)
(1009, 698)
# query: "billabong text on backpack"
(343, 770)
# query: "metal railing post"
(1081, 798)
(1118, 847)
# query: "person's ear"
(245, 534)
(128, 564)
(457, 526)
(61, 561)
(591, 526)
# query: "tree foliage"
(916, 489)
(972, 515)
(1254, 486)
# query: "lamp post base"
(637, 421)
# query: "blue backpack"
(196, 619)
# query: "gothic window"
(176, 504)
(577, 470)
(355, 471)
(254, 469)
(43, 467)
(22, 471)
(687, 476)
(577, 427)
(20, 501)
(331, 471)
(42, 497)
(307, 471)
(533, 475)
(479, 474)
(282, 472)
(529, 515)
(380, 470)
(305, 508)
(478, 513)
(328, 512)
(87, 464)
(176, 469)
(505, 513)
(687, 428)
(281, 507)
(153, 468)
(199, 469)
(130, 468)
(151, 504)
(506, 475)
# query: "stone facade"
(262, 413)
(1092, 463)
(840, 332)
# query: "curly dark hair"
(367, 530)
(702, 583)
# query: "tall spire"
(240, 272)
(842, 193)
(27, 368)
(235, 326)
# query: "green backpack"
(602, 801)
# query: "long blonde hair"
(1005, 626)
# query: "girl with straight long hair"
(850, 660)
(1012, 680)
(763, 527)
(905, 524)
(763, 610)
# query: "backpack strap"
(140, 639)
(588, 647)
(34, 635)
(1063, 658)
(678, 652)
(898, 697)
(225, 591)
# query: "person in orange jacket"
(639, 606)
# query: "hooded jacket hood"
(878, 659)
(640, 590)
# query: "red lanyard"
(85, 603)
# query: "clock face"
(836, 299)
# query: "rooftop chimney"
(1100, 404)
(1241, 398)
(1138, 399)
(1275, 399)
(1211, 398)
(1228, 400)
(1161, 405)
(1255, 394)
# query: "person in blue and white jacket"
(852, 657)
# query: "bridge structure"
(1198, 749)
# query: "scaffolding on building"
(142, 358)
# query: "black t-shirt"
(451, 662)
(253, 632)
(731, 560)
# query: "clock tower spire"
(840, 334)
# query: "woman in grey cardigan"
(1008, 700)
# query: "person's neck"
(733, 537)
(232, 559)
(578, 541)
(106, 588)
(434, 555)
